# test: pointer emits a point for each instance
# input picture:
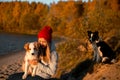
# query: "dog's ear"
(89, 32)
(96, 32)
(37, 45)
(26, 46)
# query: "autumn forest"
(69, 18)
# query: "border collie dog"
(102, 51)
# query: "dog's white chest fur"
(97, 52)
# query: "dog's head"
(93, 36)
(32, 48)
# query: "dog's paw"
(24, 76)
(105, 59)
(113, 61)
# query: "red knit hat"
(46, 33)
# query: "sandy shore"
(10, 69)
(10, 64)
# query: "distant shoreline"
(17, 33)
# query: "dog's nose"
(32, 53)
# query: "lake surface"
(14, 42)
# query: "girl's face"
(42, 41)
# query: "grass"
(69, 57)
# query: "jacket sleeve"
(52, 67)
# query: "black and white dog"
(102, 52)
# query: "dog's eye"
(29, 49)
(35, 48)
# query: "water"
(14, 42)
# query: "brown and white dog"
(31, 60)
(35, 53)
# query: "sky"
(43, 1)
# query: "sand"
(11, 64)
(105, 72)
(10, 69)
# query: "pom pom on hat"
(46, 33)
